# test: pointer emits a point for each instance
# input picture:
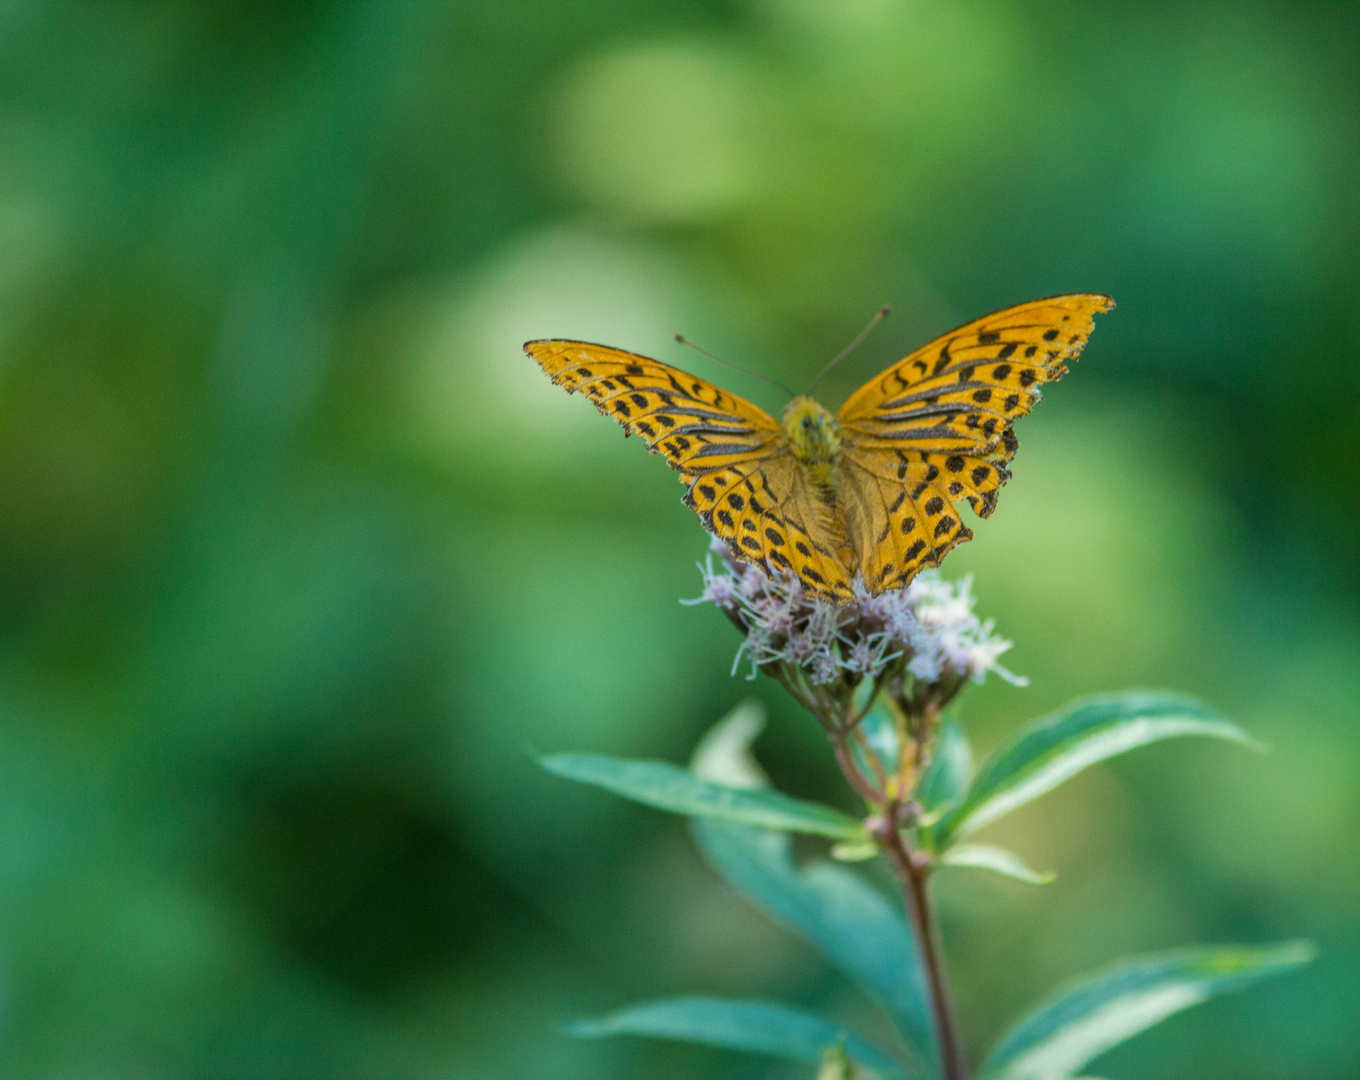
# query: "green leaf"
(1048, 751)
(837, 1064)
(723, 755)
(947, 774)
(669, 787)
(837, 911)
(848, 852)
(998, 861)
(1082, 1022)
(830, 906)
(758, 1027)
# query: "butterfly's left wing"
(699, 428)
(743, 482)
(935, 428)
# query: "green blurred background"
(299, 553)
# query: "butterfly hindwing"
(816, 540)
(761, 511)
(901, 513)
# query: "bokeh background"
(299, 555)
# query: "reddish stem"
(913, 876)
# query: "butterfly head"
(812, 432)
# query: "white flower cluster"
(930, 623)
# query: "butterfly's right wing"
(936, 428)
(742, 480)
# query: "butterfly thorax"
(813, 435)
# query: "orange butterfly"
(869, 490)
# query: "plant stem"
(914, 877)
(858, 780)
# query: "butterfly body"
(865, 495)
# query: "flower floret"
(927, 631)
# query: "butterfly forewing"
(698, 427)
(963, 390)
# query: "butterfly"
(865, 495)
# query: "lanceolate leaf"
(668, 787)
(997, 860)
(837, 911)
(760, 1027)
(1081, 1023)
(832, 907)
(724, 756)
(1055, 748)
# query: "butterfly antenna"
(747, 371)
(881, 314)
